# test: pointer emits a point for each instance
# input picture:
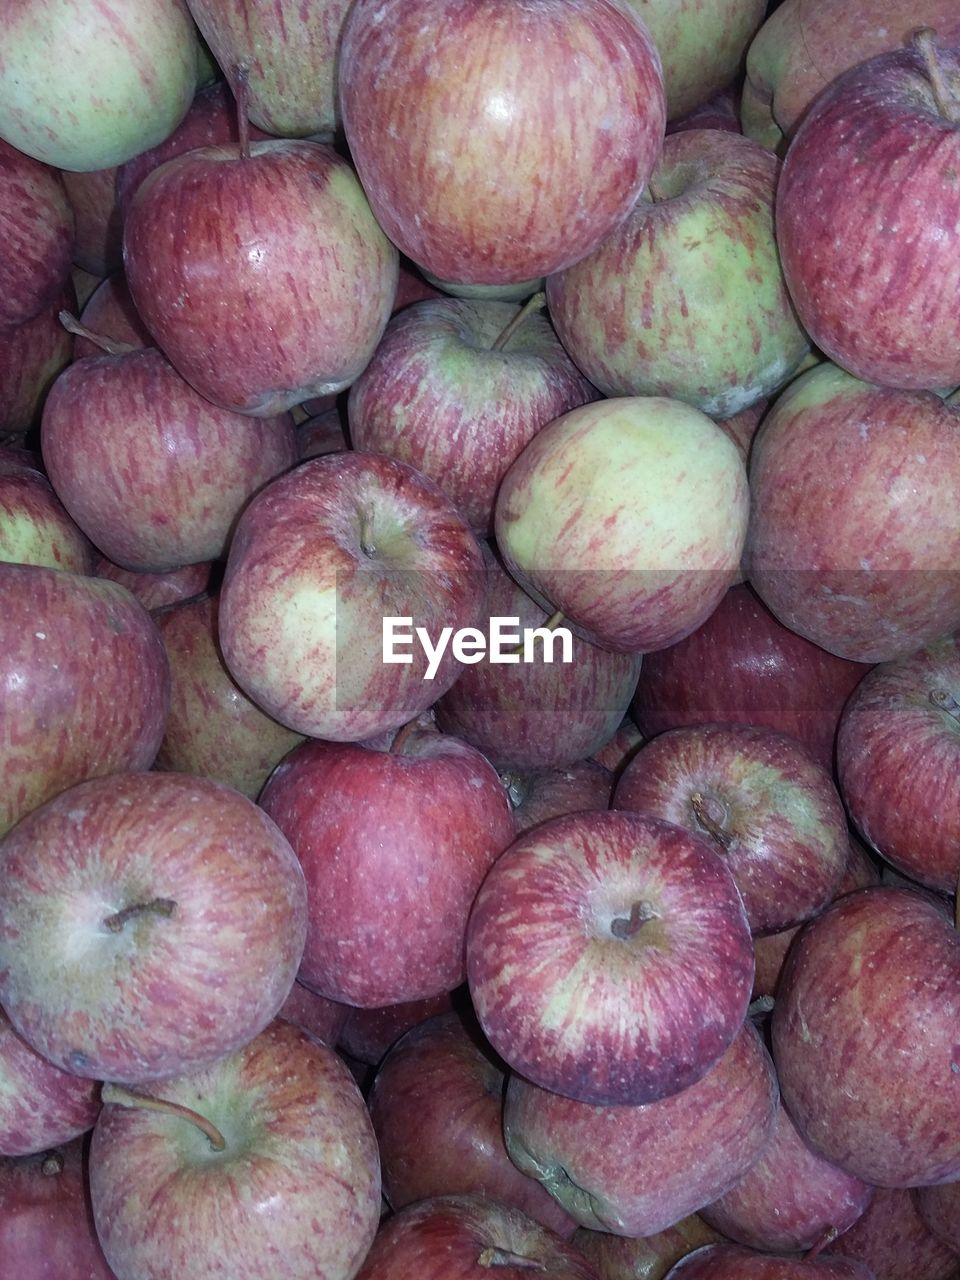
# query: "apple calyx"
(626, 927)
(241, 95)
(494, 1257)
(158, 907)
(945, 94)
(51, 1166)
(705, 809)
(944, 700)
(119, 1096)
(532, 304)
(110, 345)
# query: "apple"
(645, 1258)
(87, 88)
(154, 590)
(34, 526)
(629, 516)
(176, 907)
(696, 1144)
(37, 226)
(367, 1034)
(436, 1104)
(294, 252)
(322, 433)
(394, 845)
(40, 1105)
(457, 388)
(153, 473)
(898, 756)
(865, 213)
(517, 291)
(466, 1237)
(282, 1179)
(609, 957)
(537, 796)
(893, 1241)
(686, 298)
(109, 312)
(321, 1018)
(864, 1037)
(770, 809)
(851, 540)
(98, 241)
(213, 729)
(318, 560)
(621, 747)
(84, 684)
(728, 1262)
(742, 666)
(454, 114)
(32, 355)
(939, 1207)
(743, 426)
(720, 112)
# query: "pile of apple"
(636, 322)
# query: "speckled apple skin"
(295, 1193)
(40, 1105)
(893, 1239)
(865, 1038)
(164, 992)
(32, 355)
(729, 1262)
(37, 230)
(34, 527)
(939, 1207)
(696, 1145)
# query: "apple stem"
(52, 1164)
(551, 624)
(515, 786)
(713, 828)
(494, 1257)
(945, 700)
(944, 94)
(119, 1096)
(626, 927)
(828, 1237)
(760, 1007)
(109, 345)
(241, 93)
(403, 733)
(158, 907)
(531, 305)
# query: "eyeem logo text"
(503, 642)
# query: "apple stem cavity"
(760, 1007)
(157, 907)
(506, 333)
(945, 94)
(705, 811)
(119, 1096)
(109, 345)
(494, 1257)
(241, 94)
(52, 1164)
(626, 927)
(828, 1237)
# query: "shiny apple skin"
(40, 1105)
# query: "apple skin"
(790, 1199)
(438, 395)
(742, 666)
(322, 433)
(620, 748)
(696, 1144)
(84, 88)
(318, 558)
(321, 1018)
(437, 1110)
(37, 228)
(290, 51)
(539, 715)
(98, 241)
(893, 1241)
(414, 831)
(153, 473)
(645, 1258)
(154, 590)
(294, 251)
(465, 1237)
(939, 1207)
(536, 796)
(686, 298)
(110, 313)
(583, 996)
(720, 112)
(667, 488)
(213, 729)
(40, 1105)
(860, 564)
(729, 1262)
(32, 355)
(771, 812)
(368, 1033)
(879, 967)
(84, 684)
(898, 761)
(34, 526)
(159, 992)
(867, 211)
(295, 1193)
(46, 1225)
(496, 200)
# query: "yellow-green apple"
(281, 296)
(499, 142)
(629, 516)
(437, 1109)
(84, 684)
(939, 1207)
(538, 714)
(457, 389)
(153, 473)
(893, 1240)
(86, 87)
(40, 1105)
(368, 1033)
(283, 1177)
(686, 297)
(98, 240)
(868, 210)
(289, 50)
(516, 292)
(731, 1262)
(898, 761)
(537, 795)
(647, 1257)
(695, 1145)
(742, 666)
(790, 1199)
(37, 227)
(34, 526)
(469, 1237)
(149, 923)
(154, 590)
(320, 558)
(771, 811)
(865, 1036)
(609, 957)
(213, 729)
(110, 313)
(394, 846)
(852, 540)
(32, 355)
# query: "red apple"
(321, 1018)
(728, 1262)
(893, 1241)
(645, 1258)
(109, 311)
(324, 432)
(40, 1105)
(368, 1033)
(98, 243)
(32, 355)
(619, 749)
(34, 526)
(939, 1207)
(154, 590)
(538, 796)
(37, 230)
